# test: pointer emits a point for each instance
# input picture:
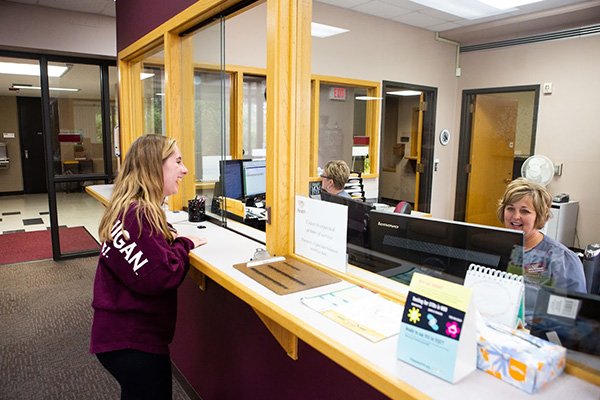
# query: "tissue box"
(518, 358)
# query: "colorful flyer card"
(437, 333)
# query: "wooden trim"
(372, 117)
(103, 200)
(198, 277)
(336, 80)
(232, 68)
(314, 126)
(234, 206)
(237, 116)
(288, 119)
(205, 185)
(131, 114)
(285, 338)
(582, 371)
(372, 128)
(174, 113)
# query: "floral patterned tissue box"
(518, 358)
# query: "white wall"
(376, 49)
(25, 27)
(567, 129)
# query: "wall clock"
(444, 137)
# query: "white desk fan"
(538, 169)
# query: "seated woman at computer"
(525, 206)
(334, 177)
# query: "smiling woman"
(150, 261)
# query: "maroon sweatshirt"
(135, 289)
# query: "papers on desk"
(365, 312)
(255, 212)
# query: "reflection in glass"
(229, 106)
(114, 115)
(255, 116)
(76, 123)
(342, 117)
(153, 92)
(210, 110)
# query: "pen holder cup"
(196, 210)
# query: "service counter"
(236, 339)
(233, 316)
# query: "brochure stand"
(438, 332)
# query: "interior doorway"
(60, 116)
(32, 144)
(497, 134)
(408, 131)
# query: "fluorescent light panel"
(405, 93)
(145, 75)
(52, 88)
(54, 71)
(323, 31)
(506, 4)
(468, 9)
(367, 98)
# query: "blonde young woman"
(525, 206)
(142, 263)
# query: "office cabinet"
(563, 222)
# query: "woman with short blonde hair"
(334, 177)
(525, 206)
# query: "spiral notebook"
(498, 295)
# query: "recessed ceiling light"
(54, 71)
(405, 93)
(367, 98)
(323, 31)
(468, 9)
(506, 4)
(52, 88)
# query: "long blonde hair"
(140, 181)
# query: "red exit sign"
(337, 93)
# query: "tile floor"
(24, 213)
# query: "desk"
(224, 351)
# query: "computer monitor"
(358, 218)
(255, 177)
(231, 178)
(441, 248)
(573, 317)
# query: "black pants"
(142, 376)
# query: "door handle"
(26, 154)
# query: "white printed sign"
(320, 232)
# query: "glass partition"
(212, 97)
(113, 89)
(255, 116)
(342, 126)
(503, 124)
(230, 114)
(80, 156)
(153, 91)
